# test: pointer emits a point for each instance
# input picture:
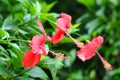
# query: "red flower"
(30, 59)
(88, 51)
(63, 24)
(37, 44)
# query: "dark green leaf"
(37, 72)
(71, 58)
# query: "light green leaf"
(37, 5)
(22, 31)
(100, 12)
(46, 48)
(115, 2)
(3, 34)
(37, 72)
(66, 40)
(14, 45)
(12, 53)
(92, 25)
(73, 28)
(8, 24)
(47, 7)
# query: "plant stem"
(79, 44)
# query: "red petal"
(98, 40)
(87, 52)
(61, 24)
(58, 36)
(67, 18)
(30, 59)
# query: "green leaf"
(100, 12)
(53, 64)
(14, 45)
(87, 3)
(55, 67)
(47, 7)
(51, 18)
(66, 40)
(92, 25)
(3, 34)
(101, 2)
(115, 2)
(4, 53)
(37, 72)
(71, 58)
(83, 17)
(46, 48)
(4, 72)
(16, 60)
(12, 53)
(8, 24)
(23, 32)
(24, 78)
(73, 28)
(4, 41)
(37, 6)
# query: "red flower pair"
(32, 57)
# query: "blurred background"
(90, 18)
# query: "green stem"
(79, 44)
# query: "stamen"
(105, 63)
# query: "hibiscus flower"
(88, 51)
(32, 57)
(63, 24)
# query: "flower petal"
(67, 19)
(58, 36)
(87, 52)
(30, 59)
(38, 41)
